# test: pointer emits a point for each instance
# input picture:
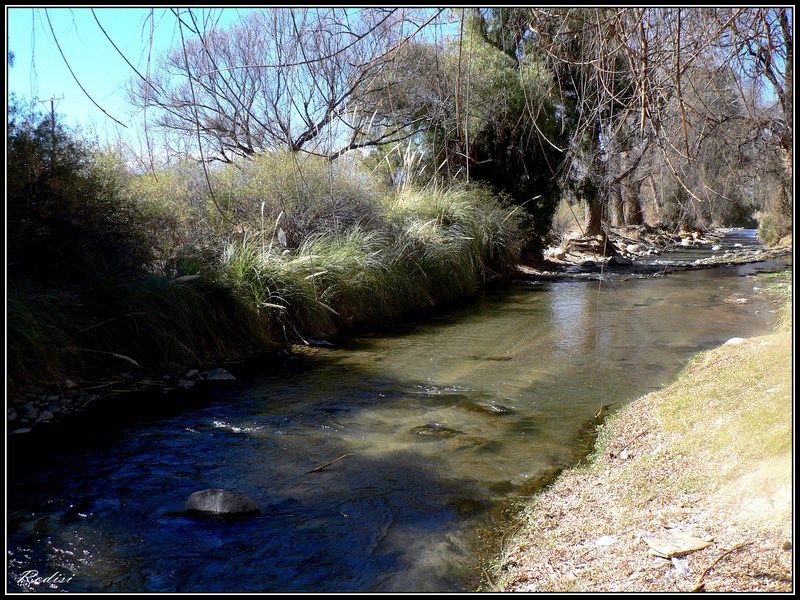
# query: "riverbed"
(439, 422)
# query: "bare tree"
(308, 80)
(662, 80)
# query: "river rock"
(192, 373)
(185, 383)
(435, 431)
(44, 416)
(487, 407)
(734, 341)
(218, 374)
(634, 248)
(616, 261)
(219, 502)
(556, 252)
(28, 411)
(686, 241)
(716, 247)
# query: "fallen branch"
(327, 464)
(700, 583)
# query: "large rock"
(556, 252)
(619, 261)
(219, 502)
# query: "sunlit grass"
(248, 293)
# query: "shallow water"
(441, 420)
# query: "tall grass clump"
(114, 270)
(465, 230)
(301, 194)
(123, 324)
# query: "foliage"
(379, 256)
(67, 217)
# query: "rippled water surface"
(441, 421)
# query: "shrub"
(303, 195)
(67, 219)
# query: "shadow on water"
(441, 422)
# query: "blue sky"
(39, 70)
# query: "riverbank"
(68, 346)
(642, 252)
(187, 359)
(689, 488)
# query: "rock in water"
(218, 375)
(435, 431)
(616, 261)
(221, 502)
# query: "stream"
(442, 421)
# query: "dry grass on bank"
(709, 456)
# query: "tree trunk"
(594, 215)
(598, 188)
(619, 206)
(633, 203)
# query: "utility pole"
(52, 126)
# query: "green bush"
(66, 218)
(303, 195)
(178, 283)
(772, 226)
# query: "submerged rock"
(218, 502)
(487, 407)
(435, 431)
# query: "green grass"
(735, 400)
(433, 246)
